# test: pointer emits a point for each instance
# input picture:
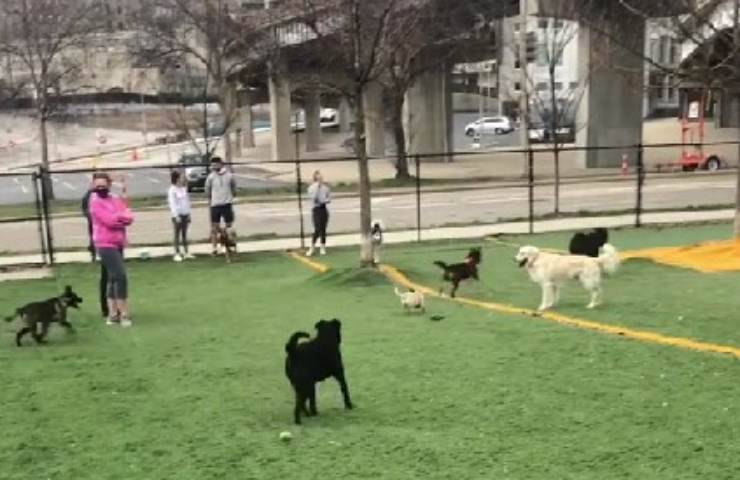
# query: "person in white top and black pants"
(178, 200)
(320, 196)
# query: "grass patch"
(196, 389)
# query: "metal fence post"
(44, 174)
(640, 184)
(35, 179)
(299, 195)
(530, 181)
(418, 198)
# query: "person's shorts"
(222, 212)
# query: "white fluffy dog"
(411, 299)
(552, 270)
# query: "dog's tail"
(17, 314)
(609, 259)
(441, 265)
(293, 342)
(398, 292)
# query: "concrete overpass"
(611, 44)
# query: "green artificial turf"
(196, 389)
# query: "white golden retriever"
(552, 270)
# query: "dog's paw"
(349, 406)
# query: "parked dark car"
(195, 166)
(539, 132)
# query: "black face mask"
(102, 192)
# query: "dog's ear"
(320, 324)
(68, 289)
(336, 322)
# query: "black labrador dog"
(44, 313)
(458, 272)
(590, 243)
(314, 361)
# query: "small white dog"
(551, 271)
(411, 300)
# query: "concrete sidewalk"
(407, 236)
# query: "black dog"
(315, 361)
(45, 313)
(458, 272)
(589, 244)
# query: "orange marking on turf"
(394, 275)
(685, 343)
(315, 266)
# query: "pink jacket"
(110, 217)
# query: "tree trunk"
(228, 103)
(366, 245)
(556, 154)
(399, 134)
(47, 184)
(737, 201)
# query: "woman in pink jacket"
(110, 217)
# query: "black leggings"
(320, 222)
(181, 233)
(112, 260)
(103, 290)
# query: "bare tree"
(348, 46)
(43, 42)
(554, 102)
(425, 37)
(206, 35)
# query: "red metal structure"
(693, 111)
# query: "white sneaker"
(189, 256)
(126, 322)
(177, 258)
(323, 250)
(111, 322)
(309, 253)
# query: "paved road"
(399, 211)
(142, 183)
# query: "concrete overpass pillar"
(610, 110)
(312, 115)
(374, 119)
(283, 147)
(245, 123)
(344, 114)
(428, 115)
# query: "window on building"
(573, 85)
(543, 57)
(558, 24)
(541, 86)
(517, 86)
(517, 26)
(674, 52)
(558, 86)
(517, 65)
(542, 23)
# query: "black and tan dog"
(589, 244)
(459, 272)
(226, 239)
(43, 314)
(314, 361)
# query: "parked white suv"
(488, 125)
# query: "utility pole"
(524, 85)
